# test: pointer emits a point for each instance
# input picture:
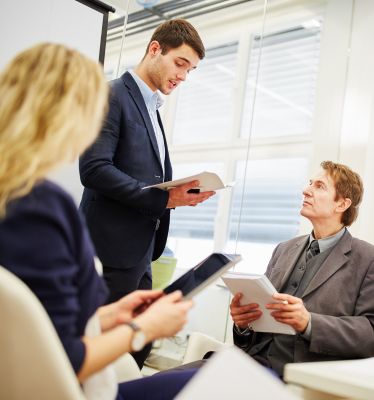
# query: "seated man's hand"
(243, 315)
(179, 196)
(290, 311)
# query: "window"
(192, 228)
(286, 82)
(204, 106)
(273, 185)
(269, 209)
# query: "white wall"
(24, 23)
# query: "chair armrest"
(199, 344)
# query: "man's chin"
(166, 91)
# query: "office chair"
(33, 362)
(199, 344)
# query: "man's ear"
(343, 204)
(154, 48)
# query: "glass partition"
(265, 208)
(279, 91)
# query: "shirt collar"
(328, 242)
(152, 100)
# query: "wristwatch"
(138, 340)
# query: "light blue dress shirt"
(328, 242)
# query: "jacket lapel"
(136, 95)
(336, 259)
(290, 260)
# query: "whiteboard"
(24, 23)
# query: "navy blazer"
(44, 241)
(122, 217)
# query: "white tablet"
(204, 273)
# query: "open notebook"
(209, 181)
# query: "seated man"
(327, 279)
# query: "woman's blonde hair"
(52, 102)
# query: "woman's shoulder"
(51, 198)
(49, 189)
(46, 202)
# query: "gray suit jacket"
(340, 298)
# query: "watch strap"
(133, 326)
(138, 340)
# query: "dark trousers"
(124, 281)
(163, 386)
(196, 365)
(121, 282)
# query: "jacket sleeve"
(348, 336)
(99, 172)
(45, 244)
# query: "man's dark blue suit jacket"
(123, 218)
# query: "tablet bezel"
(235, 259)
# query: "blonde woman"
(52, 102)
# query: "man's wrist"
(242, 331)
(306, 334)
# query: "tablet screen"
(206, 271)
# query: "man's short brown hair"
(348, 184)
(176, 32)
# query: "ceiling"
(141, 19)
(121, 5)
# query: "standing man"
(326, 278)
(128, 224)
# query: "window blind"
(195, 222)
(286, 84)
(271, 202)
(204, 108)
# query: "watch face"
(138, 341)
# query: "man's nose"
(307, 191)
